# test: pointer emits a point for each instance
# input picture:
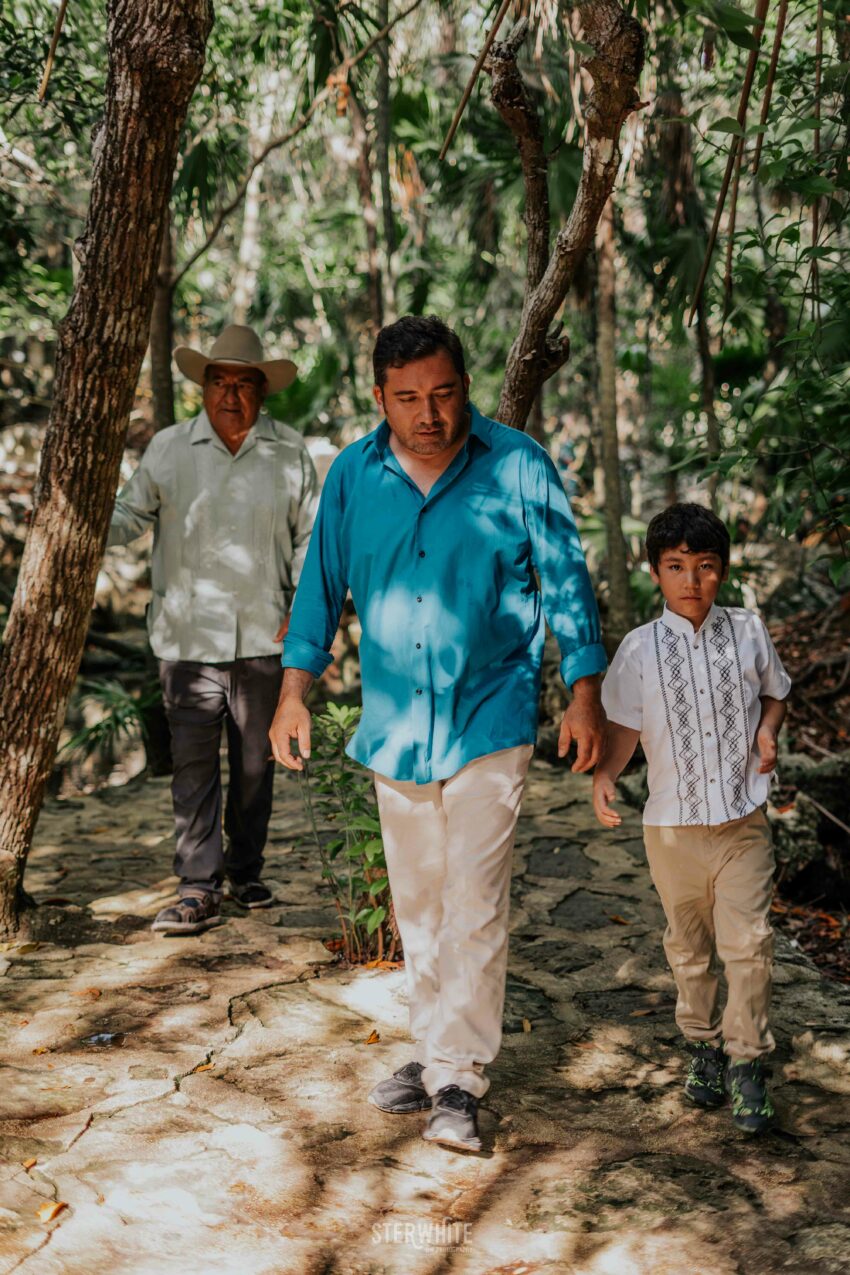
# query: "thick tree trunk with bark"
(619, 619)
(539, 350)
(162, 335)
(156, 56)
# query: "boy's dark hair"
(693, 525)
(415, 337)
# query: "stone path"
(198, 1105)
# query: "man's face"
(233, 397)
(689, 581)
(425, 403)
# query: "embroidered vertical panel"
(678, 713)
(728, 690)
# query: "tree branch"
(537, 353)
(513, 102)
(340, 72)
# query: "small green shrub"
(338, 794)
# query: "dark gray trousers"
(199, 699)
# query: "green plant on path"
(338, 793)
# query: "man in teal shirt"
(454, 535)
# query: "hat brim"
(279, 373)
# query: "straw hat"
(237, 346)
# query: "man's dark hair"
(692, 525)
(415, 337)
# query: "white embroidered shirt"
(695, 698)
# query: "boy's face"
(689, 581)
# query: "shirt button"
(711, 781)
(419, 646)
(421, 553)
(419, 692)
(708, 734)
(701, 691)
(419, 599)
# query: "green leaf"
(728, 124)
(839, 572)
(375, 920)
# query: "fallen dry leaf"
(620, 920)
(526, 1025)
(91, 993)
(50, 1209)
(42, 1049)
(585, 1044)
(30, 1164)
(641, 1013)
(372, 1038)
(202, 1067)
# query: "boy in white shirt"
(703, 690)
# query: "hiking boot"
(252, 894)
(192, 914)
(453, 1120)
(402, 1092)
(704, 1081)
(752, 1110)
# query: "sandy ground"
(198, 1105)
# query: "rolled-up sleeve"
(569, 602)
(322, 586)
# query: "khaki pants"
(716, 885)
(449, 849)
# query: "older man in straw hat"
(231, 496)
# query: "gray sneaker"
(402, 1092)
(192, 914)
(454, 1120)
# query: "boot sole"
(704, 1106)
(403, 1109)
(188, 927)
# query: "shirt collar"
(203, 432)
(479, 428)
(679, 623)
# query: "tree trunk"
(245, 282)
(162, 335)
(619, 619)
(383, 138)
(712, 425)
(156, 56)
(537, 351)
(370, 212)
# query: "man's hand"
(282, 631)
(584, 724)
(291, 721)
(604, 793)
(766, 745)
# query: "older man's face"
(233, 397)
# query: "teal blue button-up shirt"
(451, 611)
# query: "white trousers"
(449, 849)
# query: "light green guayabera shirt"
(230, 535)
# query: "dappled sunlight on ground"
(199, 1104)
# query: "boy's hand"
(604, 792)
(766, 745)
